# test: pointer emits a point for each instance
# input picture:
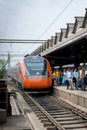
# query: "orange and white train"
(32, 73)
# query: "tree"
(2, 68)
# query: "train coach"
(32, 73)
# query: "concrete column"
(76, 61)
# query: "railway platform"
(77, 98)
(19, 119)
(15, 122)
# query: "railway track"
(66, 116)
(54, 113)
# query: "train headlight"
(37, 73)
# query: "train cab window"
(36, 66)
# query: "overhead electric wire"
(55, 19)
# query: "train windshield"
(36, 66)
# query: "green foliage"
(2, 68)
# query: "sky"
(36, 20)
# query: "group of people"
(71, 77)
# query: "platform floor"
(15, 122)
(74, 97)
(74, 91)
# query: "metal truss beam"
(22, 41)
(12, 55)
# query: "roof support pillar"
(76, 61)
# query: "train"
(32, 73)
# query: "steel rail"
(47, 114)
(34, 105)
(56, 124)
(73, 108)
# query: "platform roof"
(67, 46)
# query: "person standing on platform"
(66, 79)
(69, 76)
(54, 78)
(76, 77)
(82, 77)
(58, 76)
(64, 76)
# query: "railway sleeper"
(75, 126)
(44, 120)
(72, 122)
(51, 128)
(47, 124)
(61, 113)
(42, 117)
(53, 111)
(35, 110)
(40, 114)
(67, 119)
(67, 115)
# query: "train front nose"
(38, 83)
